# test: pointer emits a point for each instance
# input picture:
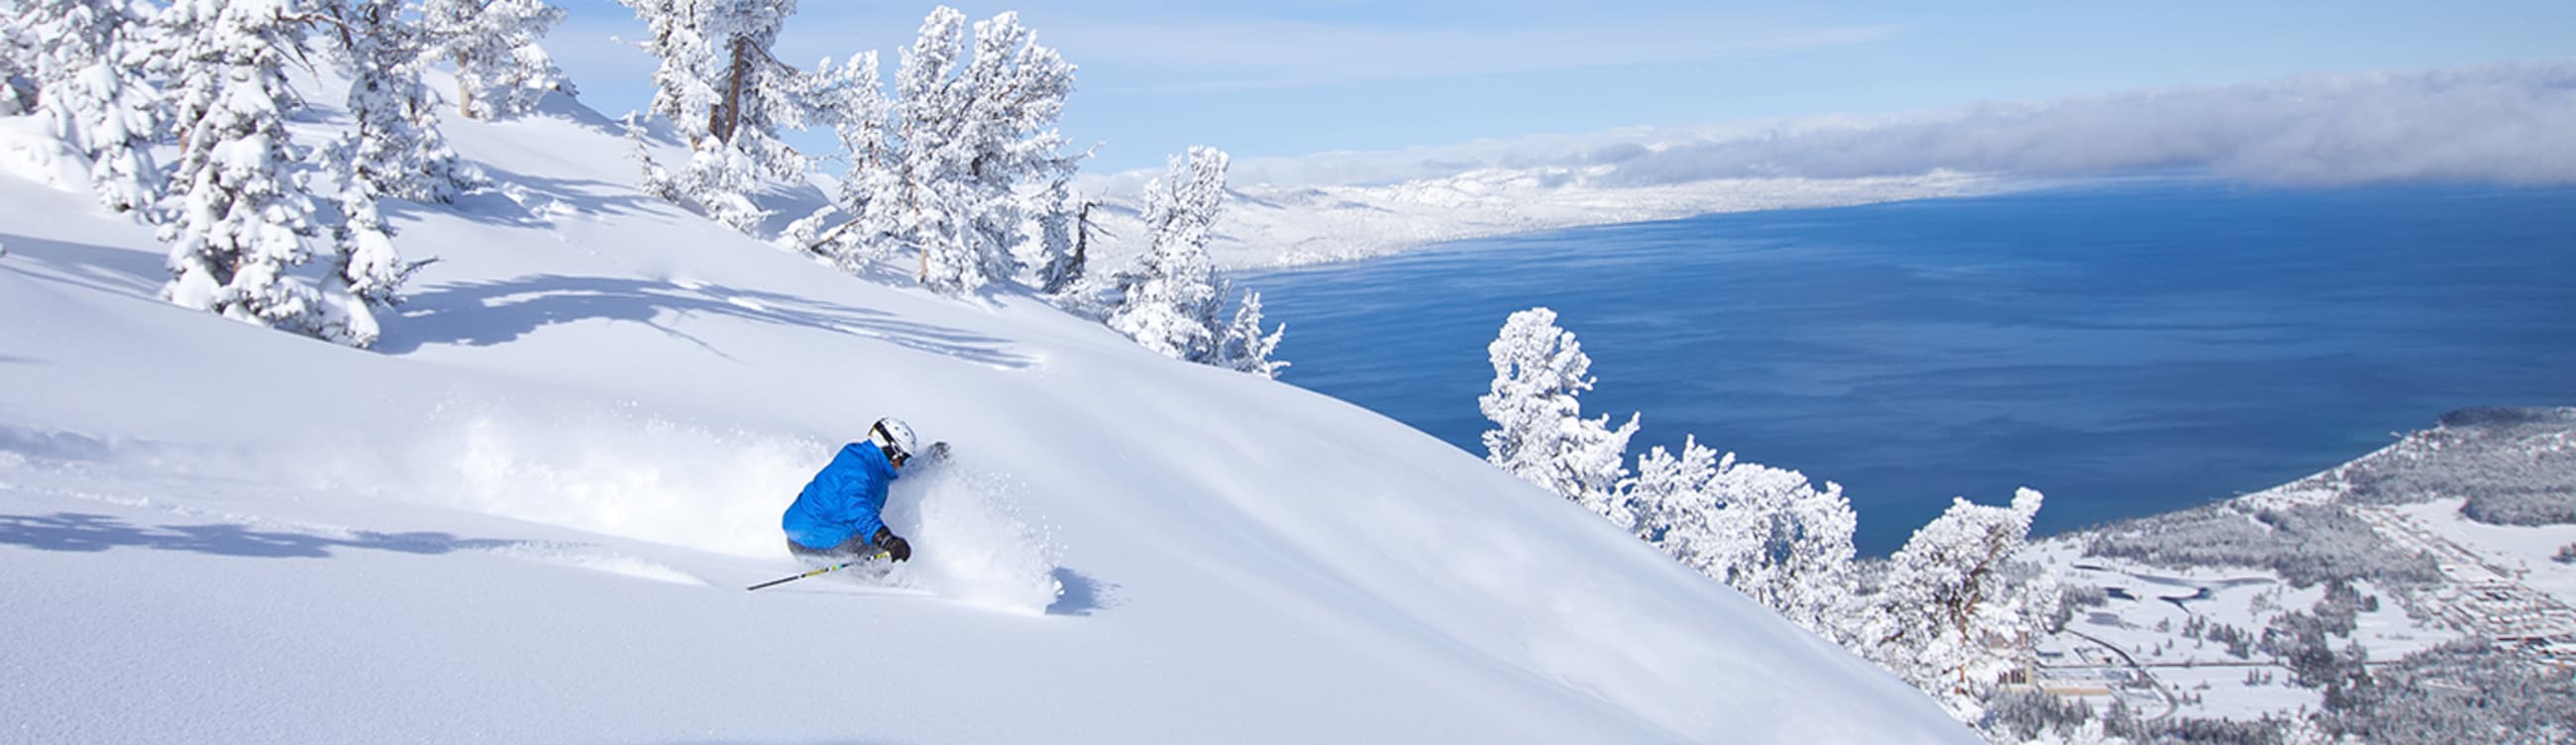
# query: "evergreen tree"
(396, 149)
(1670, 504)
(1798, 552)
(94, 93)
(501, 71)
(1170, 303)
(1956, 605)
(719, 84)
(1060, 237)
(945, 166)
(1541, 435)
(676, 35)
(1015, 91)
(1766, 532)
(367, 272)
(242, 215)
(858, 112)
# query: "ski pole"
(842, 565)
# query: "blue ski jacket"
(843, 501)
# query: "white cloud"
(2508, 124)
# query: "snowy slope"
(528, 515)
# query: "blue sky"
(1293, 78)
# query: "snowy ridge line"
(1269, 227)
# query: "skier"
(837, 517)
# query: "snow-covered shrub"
(1243, 347)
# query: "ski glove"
(894, 545)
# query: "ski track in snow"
(616, 471)
(973, 543)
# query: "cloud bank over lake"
(2510, 124)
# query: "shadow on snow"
(107, 268)
(74, 531)
(494, 312)
(1082, 594)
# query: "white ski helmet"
(894, 436)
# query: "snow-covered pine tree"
(1243, 347)
(1669, 505)
(1764, 531)
(81, 55)
(396, 149)
(1540, 434)
(1169, 304)
(858, 112)
(366, 272)
(1016, 91)
(241, 213)
(1797, 543)
(692, 41)
(942, 167)
(1956, 606)
(681, 91)
(501, 71)
(1059, 264)
(719, 84)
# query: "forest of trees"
(2476, 456)
(244, 204)
(2305, 544)
(1950, 612)
(957, 167)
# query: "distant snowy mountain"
(1268, 225)
(2505, 124)
(529, 513)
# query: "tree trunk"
(728, 116)
(464, 95)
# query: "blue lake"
(2128, 348)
